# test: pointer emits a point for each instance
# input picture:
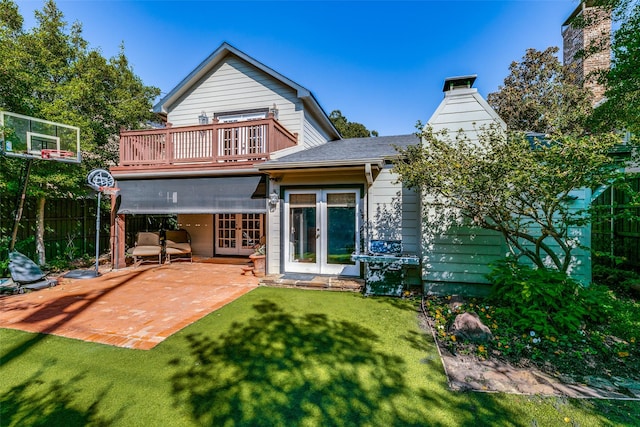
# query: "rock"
(468, 326)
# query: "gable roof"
(345, 152)
(462, 108)
(218, 55)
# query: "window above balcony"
(239, 116)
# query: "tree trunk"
(40, 250)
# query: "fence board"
(70, 227)
(619, 237)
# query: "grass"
(275, 357)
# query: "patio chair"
(178, 244)
(147, 245)
(26, 274)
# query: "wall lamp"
(273, 199)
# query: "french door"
(238, 234)
(322, 231)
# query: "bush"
(547, 302)
(616, 279)
(546, 319)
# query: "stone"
(468, 326)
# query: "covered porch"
(224, 216)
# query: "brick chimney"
(581, 37)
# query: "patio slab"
(133, 308)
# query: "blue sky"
(381, 63)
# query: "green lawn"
(274, 357)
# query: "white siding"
(392, 212)
(452, 252)
(464, 109)
(274, 234)
(235, 85)
(313, 134)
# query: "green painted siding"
(455, 255)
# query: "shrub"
(616, 279)
(547, 302)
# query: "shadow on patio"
(133, 308)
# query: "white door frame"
(321, 264)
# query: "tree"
(49, 72)
(349, 129)
(517, 186)
(541, 95)
(621, 109)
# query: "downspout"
(369, 176)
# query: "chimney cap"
(459, 82)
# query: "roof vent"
(460, 82)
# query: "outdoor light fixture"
(274, 111)
(273, 199)
(203, 119)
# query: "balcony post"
(271, 134)
(214, 140)
(169, 146)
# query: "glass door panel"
(302, 226)
(251, 231)
(226, 237)
(341, 227)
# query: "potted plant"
(259, 258)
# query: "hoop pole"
(98, 233)
(16, 222)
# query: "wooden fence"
(620, 236)
(70, 227)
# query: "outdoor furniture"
(147, 245)
(27, 275)
(177, 243)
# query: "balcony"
(202, 147)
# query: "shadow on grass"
(38, 402)
(280, 368)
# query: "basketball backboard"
(30, 138)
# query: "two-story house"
(247, 153)
(231, 113)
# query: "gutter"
(322, 164)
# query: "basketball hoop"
(56, 154)
(99, 179)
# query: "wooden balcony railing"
(210, 145)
